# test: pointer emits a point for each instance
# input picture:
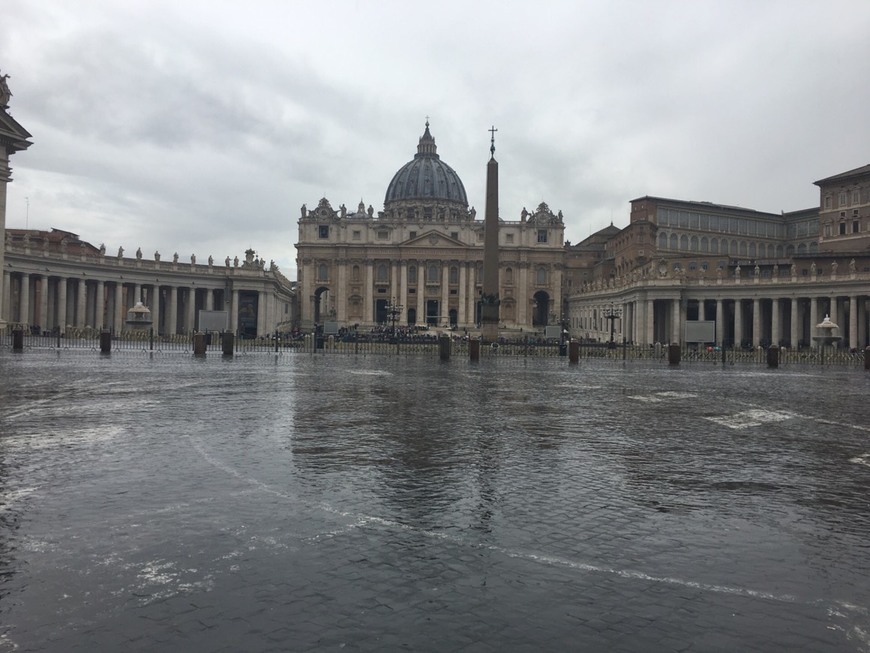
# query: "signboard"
(214, 320)
(553, 331)
(330, 328)
(700, 331)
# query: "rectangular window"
(412, 234)
(542, 235)
(855, 227)
(509, 238)
(842, 228)
(843, 199)
(357, 235)
(856, 197)
(323, 231)
(383, 235)
(828, 202)
(454, 235)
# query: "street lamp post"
(394, 311)
(613, 314)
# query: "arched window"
(432, 274)
(412, 274)
(541, 276)
(752, 250)
(323, 272)
(705, 244)
(743, 248)
(663, 241)
(674, 241)
(693, 244)
(684, 243)
(509, 276)
(354, 273)
(714, 246)
(454, 274)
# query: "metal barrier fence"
(83, 339)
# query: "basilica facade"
(420, 260)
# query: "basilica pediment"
(433, 239)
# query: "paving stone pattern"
(271, 503)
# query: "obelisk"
(489, 300)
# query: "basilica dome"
(426, 178)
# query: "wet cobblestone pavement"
(328, 503)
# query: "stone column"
(524, 303)
(154, 305)
(421, 292)
(756, 322)
(403, 290)
(720, 322)
(650, 321)
(172, 312)
(462, 316)
(43, 303)
(190, 311)
(6, 293)
(444, 309)
(676, 310)
(24, 299)
(100, 306)
(775, 336)
(62, 304)
(738, 323)
(120, 309)
(368, 296)
(795, 333)
(341, 293)
(814, 319)
(234, 312)
(853, 322)
(862, 322)
(261, 314)
(81, 302)
(209, 299)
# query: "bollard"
(18, 340)
(574, 352)
(867, 358)
(227, 343)
(773, 357)
(199, 345)
(673, 355)
(444, 347)
(474, 350)
(105, 341)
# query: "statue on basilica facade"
(5, 93)
(120, 252)
(210, 260)
(102, 249)
(304, 210)
(175, 257)
(343, 210)
(852, 266)
(139, 253)
(227, 262)
(157, 256)
(193, 259)
(834, 266)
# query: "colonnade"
(52, 303)
(648, 317)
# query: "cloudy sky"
(203, 126)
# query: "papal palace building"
(761, 278)
(423, 254)
(54, 281)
